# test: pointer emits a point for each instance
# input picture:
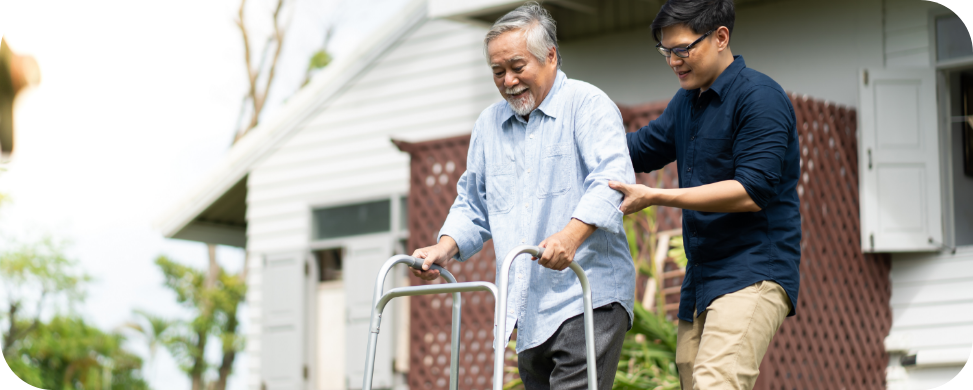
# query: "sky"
(137, 102)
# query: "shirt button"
(694, 233)
(693, 138)
(690, 169)
(531, 136)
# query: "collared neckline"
(725, 79)
(550, 106)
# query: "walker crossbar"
(380, 300)
(376, 320)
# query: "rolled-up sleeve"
(761, 141)
(468, 223)
(653, 146)
(604, 151)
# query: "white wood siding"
(909, 40)
(847, 36)
(932, 293)
(932, 317)
(433, 83)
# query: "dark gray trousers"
(561, 361)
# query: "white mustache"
(512, 91)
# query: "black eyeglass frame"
(681, 52)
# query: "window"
(353, 220)
(960, 158)
(329, 264)
(952, 38)
(404, 213)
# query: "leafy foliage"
(648, 355)
(649, 349)
(213, 297)
(319, 60)
(35, 275)
(64, 352)
(67, 353)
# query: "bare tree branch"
(257, 96)
(258, 105)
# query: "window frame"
(397, 231)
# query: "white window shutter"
(898, 160)
(362, 261)
(282, 359)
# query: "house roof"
(215, 210)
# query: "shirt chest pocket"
(714, 159)
(557, 171)
(500, 189)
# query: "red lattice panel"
(435, 168)
(667, 218)
(836, 339)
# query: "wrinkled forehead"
(508, 48)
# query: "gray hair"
(537, 26)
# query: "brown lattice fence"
(435, 168)
(667, 218)
(835, 341)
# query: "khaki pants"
(722, 348)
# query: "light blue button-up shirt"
(525, 180)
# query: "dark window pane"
(329, 264)
(404, 213)
(352, 220)
(952, 39)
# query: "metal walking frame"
(380, 300)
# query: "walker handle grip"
(417, 264)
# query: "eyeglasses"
(681, 52)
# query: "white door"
(901, 208)
(282, 332)
(331, 335)
(364, 257)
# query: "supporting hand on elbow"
(635, 197)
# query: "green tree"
(153, 329)
(214, 297)
(649, 351)
(36, 275)
(64, 352)
(67, 353)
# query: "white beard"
(522, 106)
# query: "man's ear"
(722, 38)
(552, 56)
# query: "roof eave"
(271, 132)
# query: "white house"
(315, 192)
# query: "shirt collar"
(551, 106)
(725, 79)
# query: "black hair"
(699, 15)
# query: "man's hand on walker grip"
(440, 253)
(559, 248)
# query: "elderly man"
(538, 169)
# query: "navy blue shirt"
(743, 128)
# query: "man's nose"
(510, 81)
(674, 60)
